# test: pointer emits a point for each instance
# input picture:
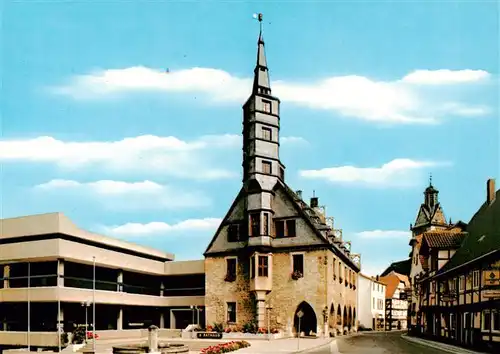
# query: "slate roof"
(401, 267)
(483, 236)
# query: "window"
(267, 167)
(495, 318)
(282, 173)
(279, 226)
(252, 267)
(373, 305)
(290, 228)
(231, 268)
(233, 233)
(487, 321)
(231, 312)
(298, 263)
(285, 228)
(263, 266)
(266, 106)
(340, 272)
(475, 279)
(267, 133)
(334, 269)
(461, 283)
(266, 224)
(254, 224)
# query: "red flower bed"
(90, 335)
(225, 347)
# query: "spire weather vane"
(430, 179)
(259, 18)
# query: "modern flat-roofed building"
(46, 261)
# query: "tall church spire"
(261, 83)
(261, 125)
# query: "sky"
(126, 115)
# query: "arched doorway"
(349, 318)
(308, 322)
(339, 316)
(344, 319)
(354, 317)
(331, 319)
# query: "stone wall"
(218, 292)
(318, 288)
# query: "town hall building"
(275, 257)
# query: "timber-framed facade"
(459, 293)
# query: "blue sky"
(375, 96)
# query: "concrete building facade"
(371, 303)
(47, 270)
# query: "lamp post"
(299, 315)
(269, 308)
(192, 313)
(93, 307)
(86, 305)
(29, 307)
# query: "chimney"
(490, 190)
(299, 193)
(314, 202)
(377, 277)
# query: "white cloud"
(445, 77)
(398, 101)
(162, 228)
(373, 269)
(128, 195)
(147, 153)
(378, 234)
(398, 172)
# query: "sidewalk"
(287, 345)
(438, 345)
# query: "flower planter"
(241, 335)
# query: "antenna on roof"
(314, 193)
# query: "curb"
(448, 348)
(329, 343)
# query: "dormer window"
(285, 228)
(233, 233)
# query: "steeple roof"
(261, 83)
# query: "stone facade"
(317, 287)
(289, 260)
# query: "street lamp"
(93, 308)
(269, 308)
(86, 305)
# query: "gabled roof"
(309, 215)
(483, 236)
(401, 267)
(392, 281)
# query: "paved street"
(376, 343)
